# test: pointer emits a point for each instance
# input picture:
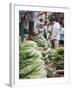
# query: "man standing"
(40, 27)
(55, 32)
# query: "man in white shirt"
(55, 33)
(40, 27)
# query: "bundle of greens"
(57, 56)
(41, 41)
(30, 63)
(42, 45)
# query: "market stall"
(37, 59)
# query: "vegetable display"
(57, 56)
(41, 41)
(55, 62)
(30, 63)
(43, 46)
(38, 60)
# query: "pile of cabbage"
(30, 63)
(43, 46)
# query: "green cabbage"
(30, 63)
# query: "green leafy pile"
(30, 63)
(57, 56)
(42, 45)
(41, 41)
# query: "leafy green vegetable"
(30, 63)
(57, 56)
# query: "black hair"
(52, 18)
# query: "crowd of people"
(52, 30)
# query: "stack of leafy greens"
(43, 46)
(57, 56)
(30, 63)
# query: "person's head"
(52, 19)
